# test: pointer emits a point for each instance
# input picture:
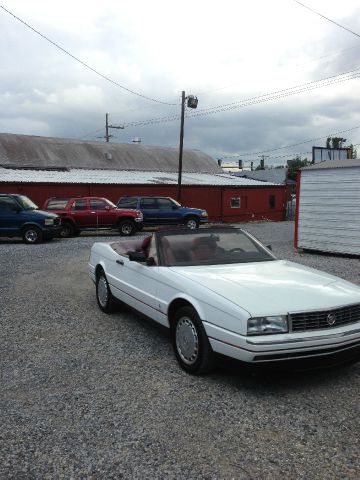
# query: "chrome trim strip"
(351, 305)
(305, 339)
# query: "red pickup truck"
(89, 213)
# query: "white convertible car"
(220, 290)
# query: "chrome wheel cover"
(191, 224)
(31, 236)
(187, 341)
(103, 291)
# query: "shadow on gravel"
(229, 372)
(268, 380)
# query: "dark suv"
(20, 217)
(164, 211)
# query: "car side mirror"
(269, 247)
(174, 207)
(107, 207)
(137, 257)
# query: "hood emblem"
(331, 319)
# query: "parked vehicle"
(165, 211)
(219, 290)
(89, 213)
(20, 217)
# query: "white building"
(328, 207)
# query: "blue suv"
(20, 217)
(164, 211)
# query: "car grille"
(305, 321)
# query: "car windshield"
(211, 247)
(26, 203)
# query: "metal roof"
(26, 150)
(348, 163)
(123, 177)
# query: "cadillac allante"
(220, 291)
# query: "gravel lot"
(87, 395)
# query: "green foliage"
(354, 151)
(335, 142)
(295, 165)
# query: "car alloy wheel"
(126, 228)
(32, 235)
(192, 223)
(67, 230)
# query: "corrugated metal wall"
(329, 210)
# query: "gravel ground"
(85, 395)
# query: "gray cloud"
(44, 92)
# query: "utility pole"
(107, 126)
(192, 102)
(262, 161)
(181, 145)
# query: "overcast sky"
(222, 52)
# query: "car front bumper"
(266, 349)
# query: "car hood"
(42, 213)
(273, 288)
(195, 210)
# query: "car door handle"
(120, 262)
(93, 212)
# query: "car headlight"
(49, 221)
(264, 325)
(204, 213)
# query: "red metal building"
(46, 167)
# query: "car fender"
(233, 318)
(31, 223)
(188, 299)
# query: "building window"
(235, 202)
(272, 202)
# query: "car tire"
(192, 223)
(67, 230)
(32, 235)
(191, 344)
(127, 228)
(105, 299)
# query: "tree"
(354, 151)
(295, 164)
(335, 142)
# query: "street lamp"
(192, 102)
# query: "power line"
(289, 146)
(339, 78)
(325, 79)
(85, 64)
(327, 18)
(286, 66)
